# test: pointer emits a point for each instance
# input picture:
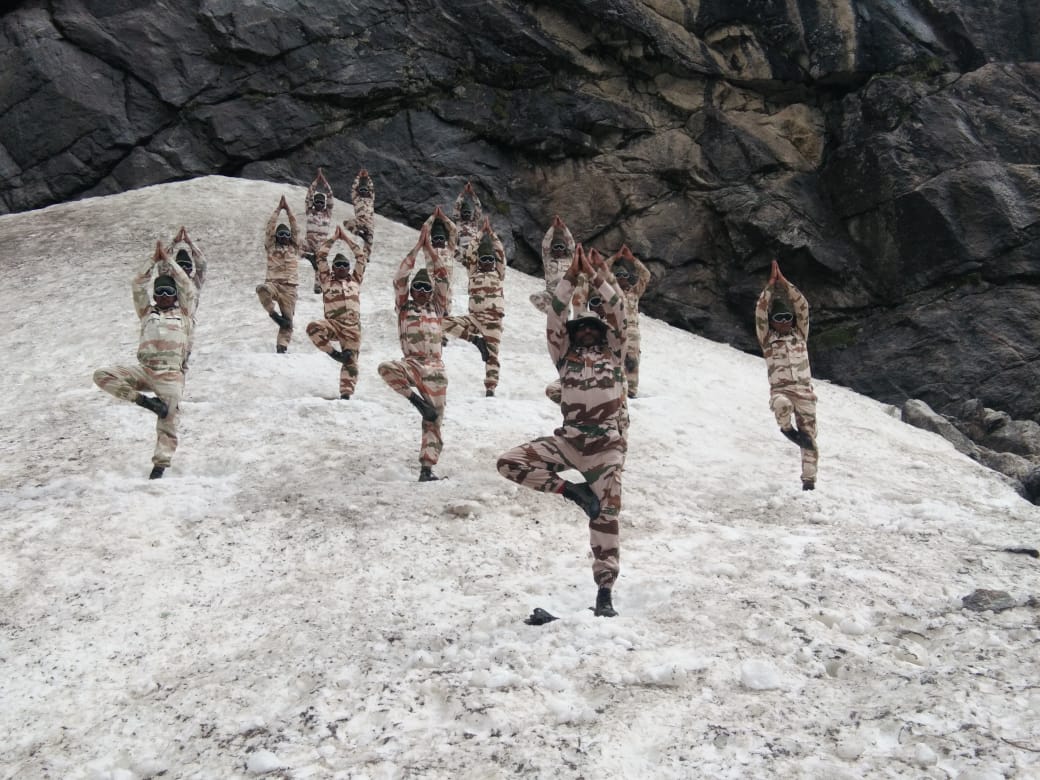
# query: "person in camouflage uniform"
(557, 254)
(318, 205)
(485, 261)
(586, 352)
(363, 196)
(282, 243)
(782, 327)
(192, 260)
(420, 376)
(341, 294)
(467, 214)
(632, 277)
(162, 351)
(444, 239)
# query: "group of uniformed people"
(592, 326)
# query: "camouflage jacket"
(165, 334)
(787, 357)
(487, 300)
(419, 327)
(198, 270)
(635, 292)
(554, 268)
(364, 208)
(591, 378)
(342, 297)
(467, 229)
(318, 221)
(282, 261)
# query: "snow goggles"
(486, 259)
(622, 274)
(783, 316)
(341, 264)
(595, 302)
(283, 234)
(167, 291)
(424, 287)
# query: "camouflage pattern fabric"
(162, 349)
(198, 278)
(420, 333)
(364, 208)
(554, 268)
(318, 222)
(633, 347)
(486, 307)
(342, 301)
(446, 257)
(279, 288)
(787, 364)
(468, 229)
(589, 440)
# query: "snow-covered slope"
(289, 600)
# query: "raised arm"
(643, 277)
(186, 290)
(556, 314)
(762, 306)
(801, 309)
(272, 225)
(142, 279)
(602, 281)
(294, 228)
(404, 271)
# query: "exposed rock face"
(886, 152)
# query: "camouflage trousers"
(284, 295)
(599, 458)
(472, 326)
(633, 353)
(429, 380)
(800, 402)
(324, 332)
(127, 381)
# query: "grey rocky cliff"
(885, 152)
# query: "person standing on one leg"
(444, 238)
(193, 262)
(633, 277)
(363, 196)
(282, 243)
(557, 253)
(485, 261)
(341, 294)
(420, 376)
(162, 351)
(782, 327)
(587, 353)
(467, 215)
(318, 207)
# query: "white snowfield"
(288, 601)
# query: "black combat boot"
(341, 357)
(283, 321)
(157, 472)
(582, 495)
(156, 405)
(425, 407)
(489, 393)
(426, 475)
(344, 396)
(808, 484)
(481, 344)
(281, 350)
(801, 438)
(604, 607)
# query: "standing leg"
(170, 387)
(285, 294)
(805, 417)
(493, 339)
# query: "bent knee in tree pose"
(277, 294)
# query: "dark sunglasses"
(283, 234)
(622, 274)
(559, 248)
(595, 302)
(341, 264)
(783, 316)
(487, 259)
(423, 287)
(188, 267)
(168, 292)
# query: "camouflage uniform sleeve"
(401, 278)
(642, 277)
(453, 235)
(322, 257)
(139, 287)
(295, 229)
(614, 309)
(547, 245)
(360, 259)
(186, 292)
(762, 315)
(555, 320)
(198, 259)
(441, 282)
(272, 224)
(469, 257)
(308, 199)
(801, 310)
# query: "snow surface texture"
(289, 602)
